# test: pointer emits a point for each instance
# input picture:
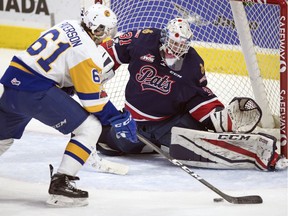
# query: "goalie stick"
(252, 199)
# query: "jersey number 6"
(41, 44)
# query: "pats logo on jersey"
(150, 80)
(148, 58)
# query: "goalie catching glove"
(124, 126)
(241, 116)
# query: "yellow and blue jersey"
(65, 56)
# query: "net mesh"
(216, 40)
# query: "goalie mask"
(101, 22)
(175, 39)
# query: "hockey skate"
(63, 193)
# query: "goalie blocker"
(225, 150)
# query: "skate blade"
(63, 201)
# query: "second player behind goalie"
(168, 87)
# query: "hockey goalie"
(168, 88)
(238, 149)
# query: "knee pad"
(80, 146)
(88, 132)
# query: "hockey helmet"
(101, 21)
(176, 37)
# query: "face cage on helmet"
(179, 47)
(102, 32)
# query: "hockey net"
(243, 44)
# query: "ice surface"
(153, 186)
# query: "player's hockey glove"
(124, 126)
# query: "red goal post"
(224, 40)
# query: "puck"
(218, 199)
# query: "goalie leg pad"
(223, 150)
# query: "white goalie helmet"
(101, 21)
(176, 37)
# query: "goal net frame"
(246, 42)
(254, 73)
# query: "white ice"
(153, 186)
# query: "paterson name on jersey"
(62, 56)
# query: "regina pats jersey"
(154, 91)
(64, 56)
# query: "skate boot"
(63, 192)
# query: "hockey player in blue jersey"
(67, 55)
(167, 88)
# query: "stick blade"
(105, 166)
(253, 199)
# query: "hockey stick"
(253, 199)
(95, 161)
(106, 166)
